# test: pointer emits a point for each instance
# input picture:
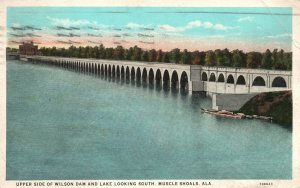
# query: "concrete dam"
(229, 88)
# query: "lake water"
(69, 125)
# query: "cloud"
(68, 22)
(220, 27)
(170, 28)
(189, 25)
(246, 19)
(134, 25)
(207, 25)
(193, 24)
(223, 27)
(196, 24)
(283, 35)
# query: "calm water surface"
(66, 125)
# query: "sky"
(194, 28)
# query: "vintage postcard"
(149, 94)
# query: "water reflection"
(151, 86)
(158, 87)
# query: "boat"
(241, 114)
(249, 117)
(228, 114)
(266, 118)
(255, 116)
(224, 113)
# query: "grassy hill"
(276, 104)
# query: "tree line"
(278, 60)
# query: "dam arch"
(221, 78)
(174, 80)
(259, 81)
(212, 77)
(230, 79)
(151, 76)
(184, 81)
(158, 77)
(204, 76)
(166, 79)
(132, 74)
(241, 80)
(279, 82)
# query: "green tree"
(210, 58)
(196, 57)
(102, 52)
(202, 58)
(152, 55)
(287, 60)
(280, 61)
(109, 53)
(227, 58)
(267, 60)
(128, 54)
(219, 57)
(159, 56)
(137, 53)
(53, 51)
(166, 57)
(118, 53)
(82, 51)
(145, 56)
(175, 55)
(90, 52)
(238, 58)
(186, 57)
(72, 51)
(274, 58)
(253, 60)
(64, 52)
(96, 52)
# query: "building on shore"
(28, 49)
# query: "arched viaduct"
(159, 74)
(240, 80)
(187, 77)
(230, 88)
